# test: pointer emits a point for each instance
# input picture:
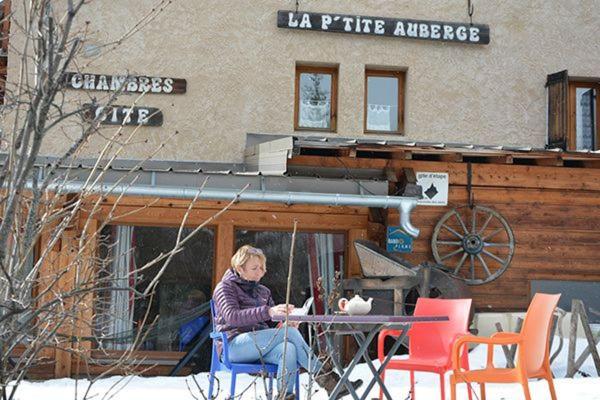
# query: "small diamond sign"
(435, 188)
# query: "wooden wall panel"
(557, 234)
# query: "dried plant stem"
(287, 304)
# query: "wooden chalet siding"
(553, 211)
(139, 211)
(557, 234)
(558, 88)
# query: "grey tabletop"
(361, 319)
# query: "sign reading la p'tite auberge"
(379, 26)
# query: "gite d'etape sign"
(381, 26)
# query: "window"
(184, 285)
(384, 101)
(583, 126)
(317, 257)
(316, 98)
(573, 112)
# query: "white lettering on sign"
(399, 31)
(292, 21)
(367, 25)
(77, 81)
(143, 115)
(326, 20)
(448, 32)
(168, 85)
(347, 23)
(88, 82)
(411, 30)
(357, 24)
(102, 83)
(139, 84)
(474, 34)
(461, 33)
(305, 23)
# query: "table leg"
(360, 337)
(388, 358)
(339, 367)
(364, 346)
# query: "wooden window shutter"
(558, 89)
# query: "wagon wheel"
(475, 244)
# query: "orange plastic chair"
(533, 351)
(430, 345)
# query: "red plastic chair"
(430, 345)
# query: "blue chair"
(191, 329)
(223, 364)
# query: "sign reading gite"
(380, 26)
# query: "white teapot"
(356, 305)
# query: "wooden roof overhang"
(458, 153)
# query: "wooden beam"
(62, 367)
(496, 175)
(224, 249)
(160, 216)
(354, 269)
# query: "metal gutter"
(405, 205)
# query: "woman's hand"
(280, 309)
(293, 324)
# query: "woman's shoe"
(329, 381)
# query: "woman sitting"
(244, 311)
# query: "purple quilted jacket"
(241, 305)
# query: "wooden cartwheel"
(473, 243)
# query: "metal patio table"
(356, 325)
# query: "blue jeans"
(267, 346)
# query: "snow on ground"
(184, 388)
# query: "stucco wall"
(240, 69)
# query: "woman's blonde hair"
(243, 254)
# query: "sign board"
(123, 115)
(435, 188)
(128, 84)
(380, 26)
(398, 241)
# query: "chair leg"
(412, 385)
(382, 376)
(452, 388)
(551, 385)
(443, 386)
(270, 387)
(482, 389)
(297, 386)
(232, 386)
(470, 390)
(211, 384)
(525, 384)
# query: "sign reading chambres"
(380, 26)
(128, 84)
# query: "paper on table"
(304, 309)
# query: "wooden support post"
(62, 367)
(224, 249)
(510, 351)
(578, 312)
(354, 269)
(86, 274)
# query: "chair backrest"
(213, 314)
(536, 330)
(435, 339)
